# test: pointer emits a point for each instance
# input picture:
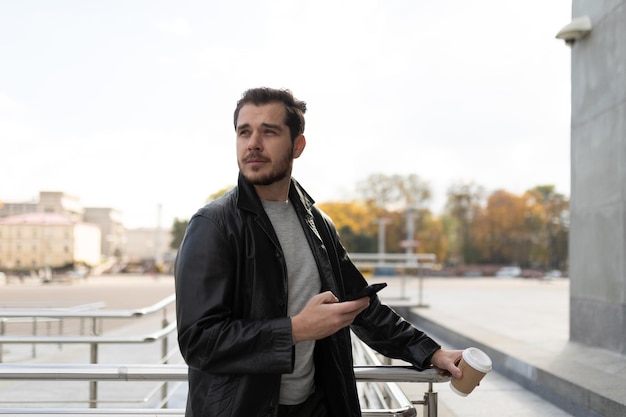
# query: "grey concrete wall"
(598, 195)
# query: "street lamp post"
(410, 244)
(382, 222)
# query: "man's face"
(264, 149)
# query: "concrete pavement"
(523, 324)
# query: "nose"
(254, 143)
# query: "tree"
(178, 232)
(355, 223)
(463, 207)
(548, 222)
(395, 192)
(501, 229)
(391, 196)
(219, 193)
(431, 237)
(180, 226)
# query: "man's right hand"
(324, 315)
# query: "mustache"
(255, 156)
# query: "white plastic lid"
(477, 359)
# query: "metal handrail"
(398, 373)
(355, 256)
(178, 372)
(165, 373)
(91, 314)
(95, 340)
(394, 260)
(146, 338)
(171, 373)
(100, 412)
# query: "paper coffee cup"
(475, 364)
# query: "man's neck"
(278, 191)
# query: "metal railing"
(405, 264)
(95, 316)
(171, 373)
(393, 260)
(378, 395)
(382, 397)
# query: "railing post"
(1, 334)
(34, 346)
(61, 322)
(430, 401)
(93, 385)
(164, 355)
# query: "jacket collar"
(248, 199)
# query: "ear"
(298, 146)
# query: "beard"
(278, 170)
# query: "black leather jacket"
(231, 306)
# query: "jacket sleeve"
(379, 326)
(389, 334)
(213, 333)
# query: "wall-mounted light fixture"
(577, 29)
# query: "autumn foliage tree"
(548, 221)
(355, 224)
(463, 207)
(529, 230)
(500, 229)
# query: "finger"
(326, 297)
(355, 305)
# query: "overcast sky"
(128, 104)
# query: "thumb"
(327, 297)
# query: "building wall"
(144, 244)
(113, 233)
(60, 203)
(86, 244)
(598, 200)
(13, 209)
(38, 240)
(148, 243)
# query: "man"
(260, 281)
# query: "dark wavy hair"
(294, 109)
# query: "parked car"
(555, 273)
(509, 272)
(384, 271)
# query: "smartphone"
(367, 291)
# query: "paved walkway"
(521, 324)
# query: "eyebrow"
(243, 126)
(269, 125)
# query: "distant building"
(49, 202)
(34, 241)
(149, 244)
(60, 203)
(12, 209)
(115, 240)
